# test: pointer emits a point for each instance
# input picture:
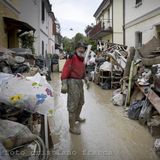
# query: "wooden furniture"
(115, 78)
(104, 76)
(151, 95)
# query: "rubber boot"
(74, 129)
(78, 118)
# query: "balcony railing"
(101, 29)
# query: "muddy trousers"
(73, 117)
(75, 100)
(75, 114)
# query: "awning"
(12, 23)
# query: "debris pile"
(140, 87)
(16, 61)
(25, 99)
(109, 64)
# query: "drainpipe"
(112, 21)
(124, 31)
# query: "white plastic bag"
(118, 99)
(21, 92)
(41, 80)
(106, 66)
(157, 145)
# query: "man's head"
(80, 49)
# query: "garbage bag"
(40, 79)
(13, 134)
(157, 145)
(6, 69)
(3, 153)
(145, 114)
(21, 68)
(135, 109)
(40, 62)
(117, 91)
(24, 93)
(106, 66)
(54, 61)
(106, 85)
(118, 99)
(4, 77)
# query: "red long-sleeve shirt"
(73, 68)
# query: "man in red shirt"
(72, 75)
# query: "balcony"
(101, 29)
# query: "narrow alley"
(108, 134)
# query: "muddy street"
(80, 80)
(107, 134)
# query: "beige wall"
(118, 21)
(133, 12)
(118, 37)
(147, 28)
(5, 12)
(105, 16)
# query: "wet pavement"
(107, 134)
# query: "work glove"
(64, 88)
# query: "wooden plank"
(136, 95)
(44, 130)
(152, 97)
(42, 133)
(129, 85)
(129, 61)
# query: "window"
(46, 50)
(53, 28)
(108, 12)
(42, 48)
(138, 38)
(138, 3)
(52, 49)
(158, 35)
(43, 11)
